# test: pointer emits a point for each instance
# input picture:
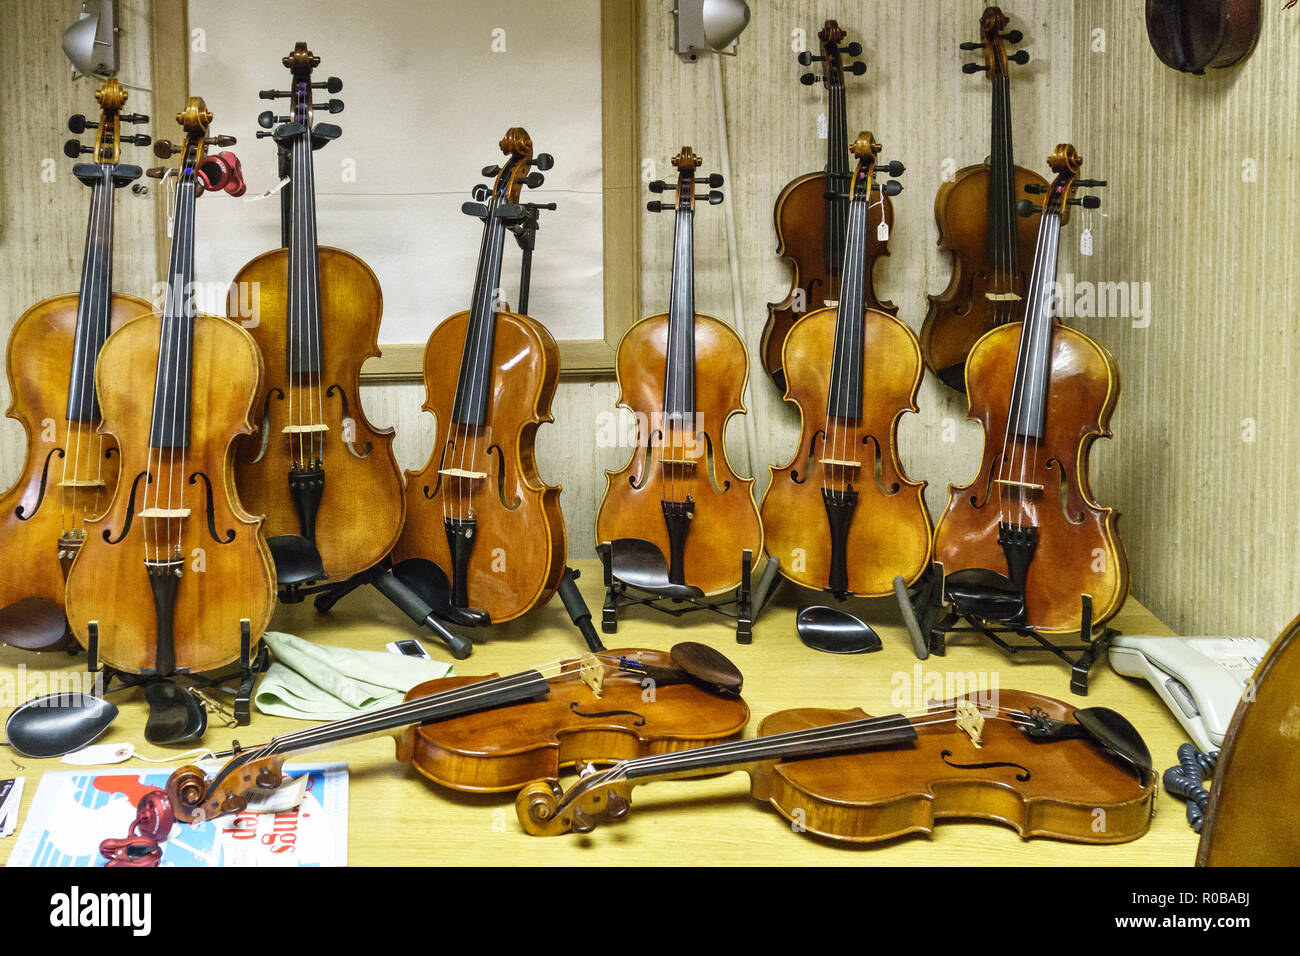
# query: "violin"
(841, 514)
(175, 569)
(493, 734)
(478, 509)
(70, 469)
(1195, 35)
(812, 213)
(682, 374)
(317, 312)
(1031, 762)
(991, 246)
(1043, 393)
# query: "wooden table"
(397, 817)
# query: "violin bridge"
(81, 483)
(971, 721)
(841, 463)
(462, 473)
(1001, 297)
(303, 429)
(592, 672)
(164, 513)
(1029, 485)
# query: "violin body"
(890, 531)
(1193, 35)
(1078, 550)
(800, 219)
(505, 748)
(361, 506)
(519, 546)
(39, 361)
(963, 312)
(227, 571)
(1040, 789)
(725, 521)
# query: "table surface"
(396, 817)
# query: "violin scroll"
(196, 797)
(544, 810)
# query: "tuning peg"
(858, 68)
(542, 161)
(1015, 36)
(274, 94)
(894, 168)
(1089, 183)
(973, 67)
(972, 45)
(617, 806)
(480, 192)
(156, 172)
(533, 180)
(808, 79)
(72, 149)
(135, 118)
(478, 210)
(658, 186)
(165, 149)
(138, 139)
(1026, 208)
(222, 141)
(491, 170)
(1035, 187)
(331, 85)
(854, 49)
(263, 133)
(582, 823)
(655, 205)
(268, 119)
(79, 124)
(331, 106)
(1020, 56)
(714, 197)
(1087, 202)
(713, 179)
(891, 187)
(807, 59)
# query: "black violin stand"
(990, 604)
(249, 666)
(636, 573)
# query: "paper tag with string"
(171, 200)
(823, 130)
(1085, 237)
(882, 230)
(268, 193)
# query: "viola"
(991, 246)
(324, 477)
(478, 509)
(492, 734)
(1043, 393)
(812, 213)
(683, 374)
(175, 569)
(70, 469)
(1195, 35)
(1031, 762)
(842, 515)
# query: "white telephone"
(1200, 679)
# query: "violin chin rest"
(296, 560)
(431, 584)
(175, 716)
(35, 624)
(985, 594)
(640, 564)
(1119, 737)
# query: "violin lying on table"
(323, 476)
(991, 246)
(812, 213)
(174, 571)
(683, 375)
(1031, 762)
(493, 734)
(70, 473)
(1043, 393)
(842, 515)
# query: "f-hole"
(209, 509)
(723, 488)
(975, 501)
(1063, 491)
(797, 478)
(130, 508)
(21, 512)
(347, 415)
(265, 431)
(879, 468)
(501, 479)
(638, 481)
(447, 449)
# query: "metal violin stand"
(636, 573)
(420, 588)
(990, 604)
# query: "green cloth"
(311, 682)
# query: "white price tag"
(1085, 242)
(882, 231)
(822, 131)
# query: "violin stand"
(644, 581)
(250, 665)
(931, 615)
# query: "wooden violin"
(492, 734)
(1195, 35)
(479, 509)
(992, 247)
(323, 476)
(70, 469)
(1043, 393)
(1031, 762)
(682, 374)
(175, 568)
(812, 213)
(841, 515)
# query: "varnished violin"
(682, 374)
(1043, 393)
(478, 509)
(175, 571)
(842, 515)
(1195, 35)
(812, 212)
(992, 247)
(1031, 762)
(492, 734)
(323, 476)
(70, 469)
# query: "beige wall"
(1216, 353)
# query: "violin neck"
(1029, 390)
(838, 177)
(845, 398)
(473, 383)
(303, 355)
(170, 426)
(679, 378)
(94, 300)
(1003, 241)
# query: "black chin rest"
(641, 564)
(984, 594)
(296, 560)
(431, 584)
(175, 716)
(35, 624)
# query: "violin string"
(312, 263)
(1041, 315)
(104, 316)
